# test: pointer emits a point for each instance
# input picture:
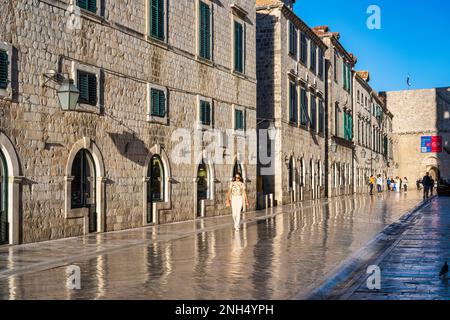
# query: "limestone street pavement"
(277, 254)
(410, 268)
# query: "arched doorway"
(4, 221)
(203, 185)
(434, 173)
(83, 186)
(155, 185)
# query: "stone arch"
(89, 145)
(166, 204)
(237, 159)
(14, 187)
(211, 180)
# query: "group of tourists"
(396, 184)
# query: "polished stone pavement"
(410, 268)
(277, 254)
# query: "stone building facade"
(292, 96)
(421, 132)
(145, 70)
(372, 133)
(340, 146)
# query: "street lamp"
(67, 92)
(272, 131)
(68, 95)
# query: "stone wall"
(276, 69)
(420, 113)
(116, 46)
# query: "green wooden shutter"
(208, 113)
(4, 62)
(92, 82)
(162, 104)
(92, 5)
(154, 102)
(238, 46)
(82, 4)
(157, 19)
(83, 86)
(205, 31)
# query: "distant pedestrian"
(389, 183)
(380, 183)
(235, 198)
(371, 183)
(426, 182)
(398, 184)
(405, 184)
(418, 182)
(431, 185)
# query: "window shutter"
(238, 47)
(157, 18)
(92, 5)
(162, 104)
(154, 102)
(205, 31)
(92, 83)
(208, 113)
(3, 69)
(82, 4)
(83, 86)
(161, 19)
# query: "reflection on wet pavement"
(276, 255)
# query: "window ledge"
(239, 133)
(158, 42)
(87, 108)
(158, 120)
(91, 15)
(208, 62)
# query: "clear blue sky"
(414, 38)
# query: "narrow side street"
(277, 254)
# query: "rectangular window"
(335, 64)
(313, 58)
(344, 75)
(157, 19)
(87, 85)
(303, 48)
(205, 113)
(303, 108)
(337, 130)
(239, 123)
(158, 103)
(90, 5)
(205, 31)
(238, 47)
(313, 123)
(4, 67)
(321, 64)
(292, 39)
(321, 116)
(293, 103)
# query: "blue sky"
(414, 38)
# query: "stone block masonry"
(114, 45)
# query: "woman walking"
(235, 198)
(405, 184)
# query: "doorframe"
(89, 145)
(14, 184)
